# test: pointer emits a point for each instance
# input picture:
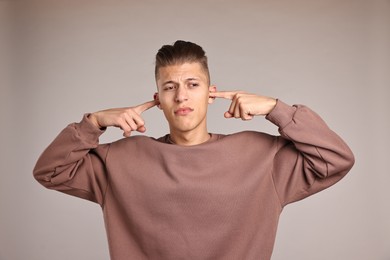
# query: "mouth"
(183, 111)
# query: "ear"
(212, 88)
(155, 97)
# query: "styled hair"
(179, 53)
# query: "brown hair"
(181, 52)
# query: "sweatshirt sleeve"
(310, 157)
(74, 163)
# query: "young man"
(193, 194)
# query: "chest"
(191, 181)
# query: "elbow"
(348, 159)
(336, 164)
(344, 163)
(349, 162)
(43, 177)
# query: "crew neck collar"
(166, 139)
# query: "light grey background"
(60, 59)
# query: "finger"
(247, 117)
(228, 115)
(125, 128)
(237, 110)
(233, 106)
(131, 123)
(136, 122)
(145, 106)
(141, 129)
(137, 119)
(223, 94)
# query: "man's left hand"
(245, 105)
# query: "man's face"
(183, 92)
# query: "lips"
(183, 111)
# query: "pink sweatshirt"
(217, 200)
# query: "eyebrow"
(189, 79)
(173, 82)
(168, 82)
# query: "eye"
(194, 85)
(169, 87)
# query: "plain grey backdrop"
(61, 59)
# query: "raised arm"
(310, 157)
(74, 163)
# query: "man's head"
(179, 53)
(183, 85)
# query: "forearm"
(310, 134)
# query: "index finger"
(224, 94)
(145, 106)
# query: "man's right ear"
(155, 97)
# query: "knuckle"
(123, 115)
(124, 126)
(121, 121)
(129, 111)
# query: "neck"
(189, 138)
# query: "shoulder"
(250, 135)
(248, 138)
(136, 141)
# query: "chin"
(182, 128)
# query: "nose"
(181, 94)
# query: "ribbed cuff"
(282, 114)
(88, 130)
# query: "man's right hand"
(128, 119)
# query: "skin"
(184, 95)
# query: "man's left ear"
(212, 88)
